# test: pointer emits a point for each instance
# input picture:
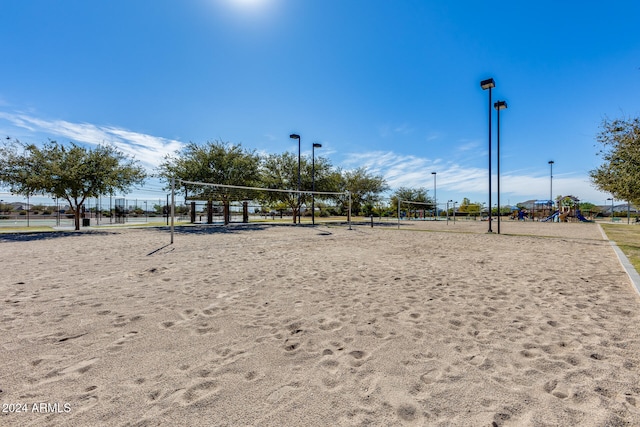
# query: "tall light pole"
(611, 198)
(454, 211)
(435, 199)
(489, 84)
(499, 105)
(296, 136)
(551, 184)
(313, 181)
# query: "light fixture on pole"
(499, 105)
(313, 181)
(551, 184)
(489, 84)
(435, 199)
(296, 136)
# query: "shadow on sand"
(231, 228)
(241, 227)
(196, 229)
(48, 235)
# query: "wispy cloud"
(403, 129)
(457, 180)
(434, 136)
(465, 146)
(387, 130)
(149, 150)
(412, 171)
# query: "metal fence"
(55, 213)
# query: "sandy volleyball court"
(281, 325)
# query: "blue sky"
(393, 85)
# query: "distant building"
(623, 207)
(536, 204)
(20, 206)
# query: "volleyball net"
(428, 206)
(267, 200)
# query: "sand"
(282, 325)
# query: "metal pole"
(551, 187)
(551, 182)
(299, 205)
(398, 214)
(612, 212)
(448, 212)
(498, 168)
(173, 199)
(313, 184)
(435, 198)
(349, 215)
(490, 230)
(454, 212)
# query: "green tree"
(365, 188)
(407, 194)
(5, 207)
(469, 207)
(465, 205)
(619, 174)
(280, 171)
(69, 172)
(215, 163)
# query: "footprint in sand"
(199, 391)
(407, 412)
(331, 326)
(291, 345)
(552, 387)
(80, 367)
(117, 345)
(210, 311)
(331, 382)
(284, 393)
(330, 365)
(251, 375)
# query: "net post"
(173, 205)
(399, 201)
(349, 213)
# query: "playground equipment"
(580, 217)
(557, 216)
(544, 211)
(567, 208)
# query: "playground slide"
(551, 218)
(582, 218)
